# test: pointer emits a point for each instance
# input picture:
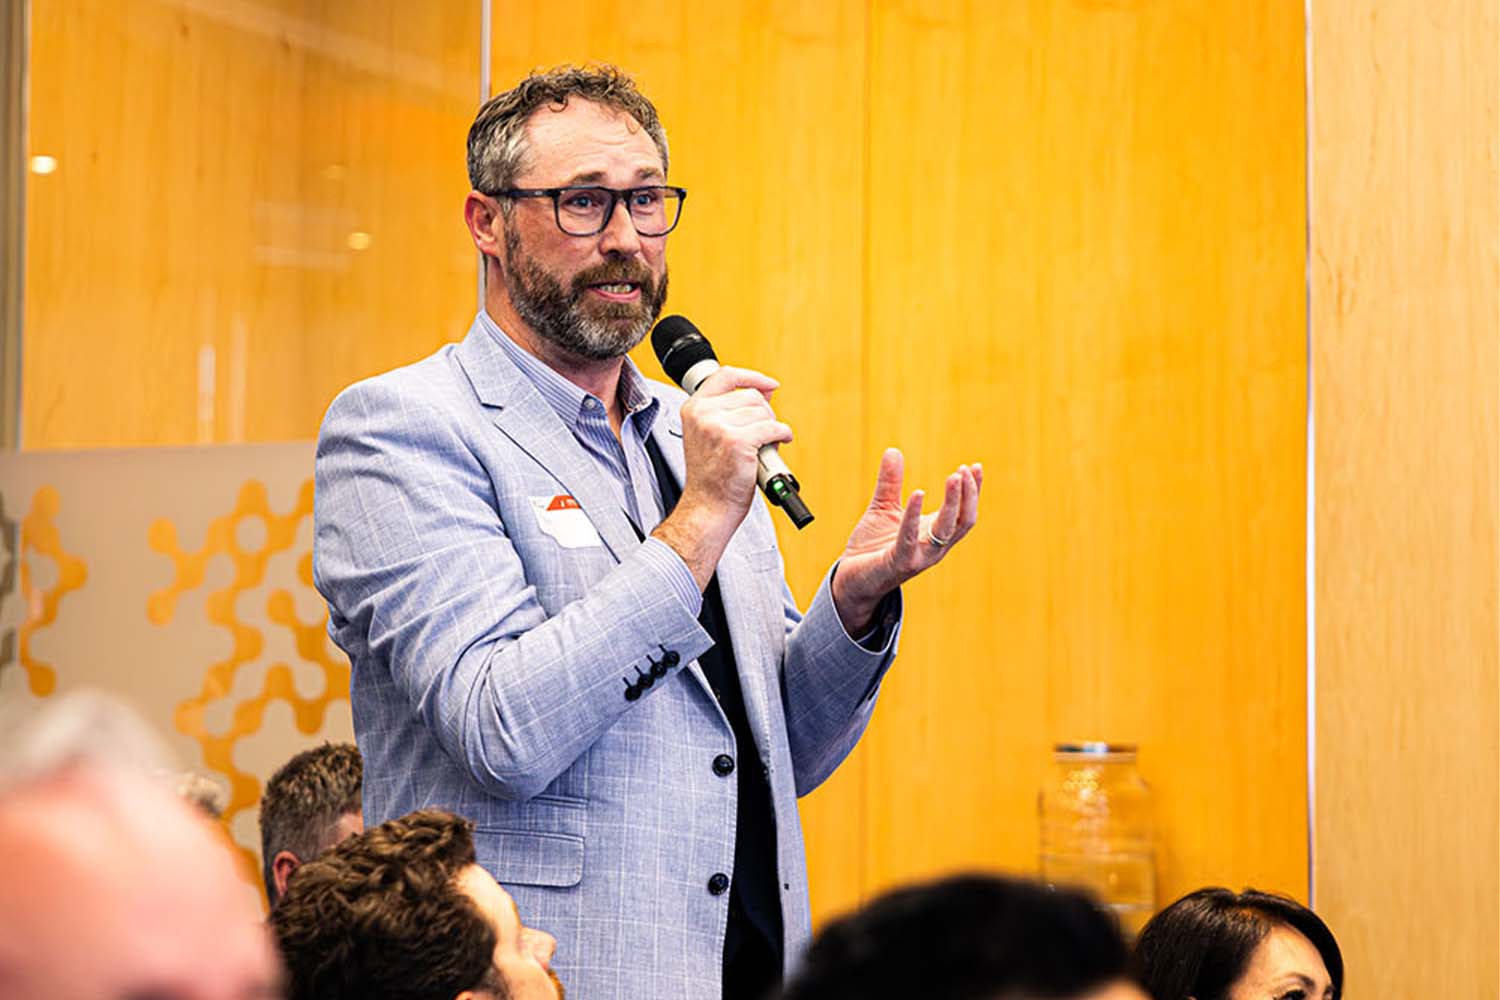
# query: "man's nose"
(540, 945)
(619, 234)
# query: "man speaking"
(562, 600)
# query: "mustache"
(612, 273)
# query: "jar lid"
(1095, 748)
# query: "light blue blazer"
(491, 658)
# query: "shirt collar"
(571, 402)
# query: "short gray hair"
(84, 729)
(497, 139)
(303, 802)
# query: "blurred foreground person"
(971, 937)
(1214, 944)
(403, 912)
(111, 887)
(311, 803)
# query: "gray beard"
(564, 318)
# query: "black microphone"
(688, 358)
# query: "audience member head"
(111, 887)
(403, 911)
(310, 804)
(1214, 944)
(971, 937)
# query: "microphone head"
(679, 346)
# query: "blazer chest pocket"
(766, 567)
(542, 844)
(765, 561)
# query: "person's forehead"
(110, 909)
(480, 886)
(1283, 954)
(1287, 946)
(584, 138)
(497, 905)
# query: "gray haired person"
(110, 885)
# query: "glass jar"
(1097, 829)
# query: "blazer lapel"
(740, 591)
(520, 412)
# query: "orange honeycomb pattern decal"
(247, 641)
(40, 535)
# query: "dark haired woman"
(1214, 944)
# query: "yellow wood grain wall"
(192, 271)
(1406, 349)
(1065, 239)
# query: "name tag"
(564, 520)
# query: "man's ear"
(282, 867)
(486, 225)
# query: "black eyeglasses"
(586, 211)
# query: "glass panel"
(247, 205)
(12, 200)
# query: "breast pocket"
(765, 561)
(769, 581)
(540, 843)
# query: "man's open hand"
(894, 541)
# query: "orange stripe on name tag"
(563, 502)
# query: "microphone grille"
(679, 346)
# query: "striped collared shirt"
(623, 461)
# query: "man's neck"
(599, 378)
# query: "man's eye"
(581, 201)
(1296, 994)
(646, 199)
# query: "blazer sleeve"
(830, 681)
(422, 580)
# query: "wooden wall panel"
(1406, 351)
(1066, 239)
(1086, 270)
(189, 273)
(764, 110)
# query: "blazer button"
(718, 883)
(670, 658)
(631, 691)
(723, 765)
(658, 668)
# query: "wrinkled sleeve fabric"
(422, 579)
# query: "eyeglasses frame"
(615, 196)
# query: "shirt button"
(588, 403)
(723, 765)
(718, 883)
